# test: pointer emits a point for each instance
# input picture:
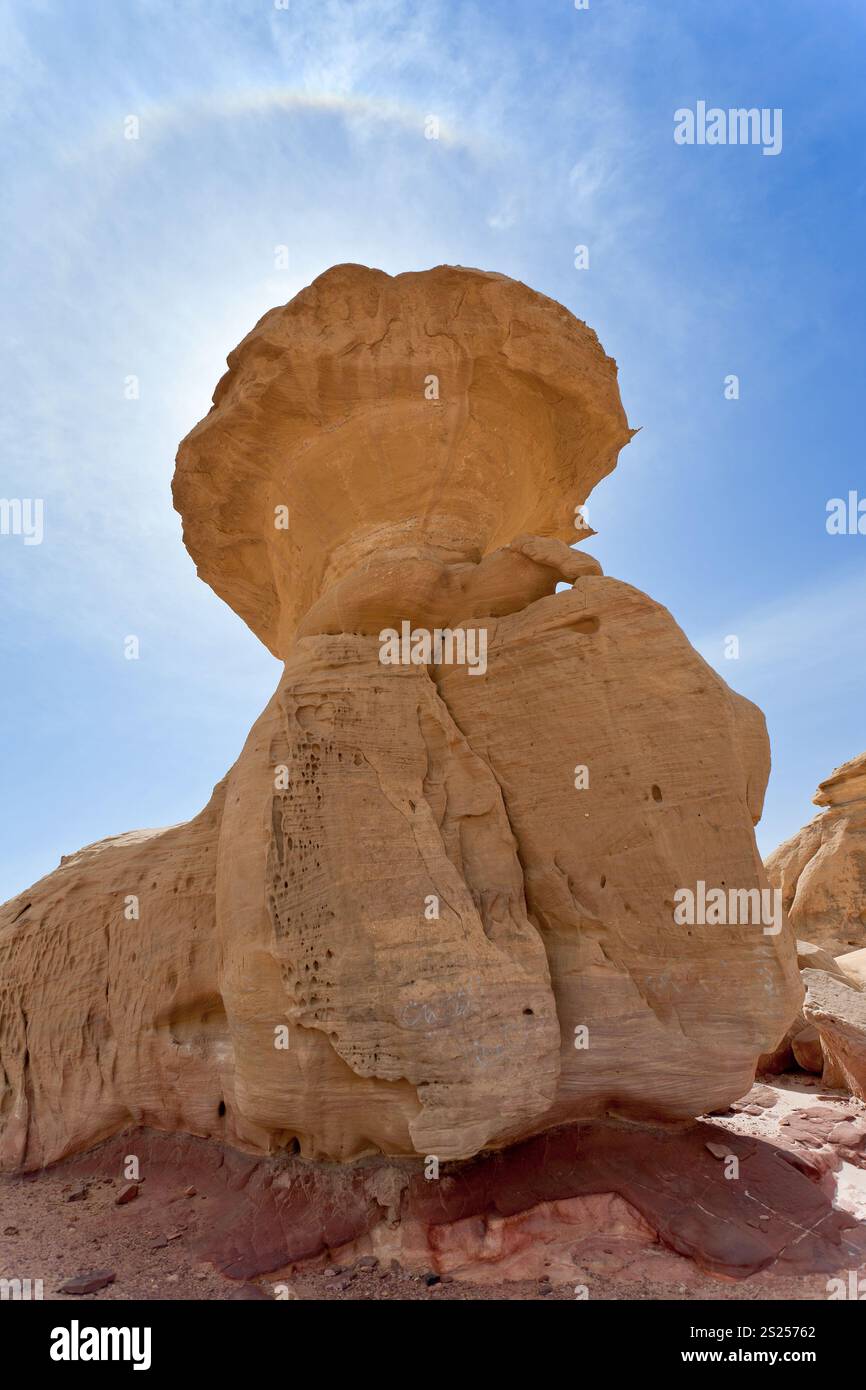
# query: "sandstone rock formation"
(828, 1036)
(533, 1209)
(801, 1045)
(430, 910)
(838, 1013)
(853, 965)
(821, 871)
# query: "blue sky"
(262, 127)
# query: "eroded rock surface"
(821, 870)
(529, 1209)
(429, 911)
(837, 1011)
(801, 1045)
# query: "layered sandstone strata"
(430, 910)
(821, 870)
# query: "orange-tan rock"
(430, 910)
(828, 1036)
(853, 964)
(837, 1011)
(801, 1045)
(821, 870)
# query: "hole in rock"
(588, 625)
(221, 1108)
(657, 793)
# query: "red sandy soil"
(55, 1225)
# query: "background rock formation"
(821, 871)
(429, 437)
(836, 1008)
(809, 1043)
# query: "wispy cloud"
(807, 645)
(803, 660)
(306, 127)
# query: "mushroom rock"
(821, 871)
(431, 908)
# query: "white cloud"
(816, 632)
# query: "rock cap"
(846, 783)
(450, 409)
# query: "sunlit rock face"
(430, 910)
(408, 424)
(821, 871)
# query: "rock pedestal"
(430, 910)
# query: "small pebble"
(92, 1282)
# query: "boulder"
(838, 1013)
(801, 1045)
(807, 1050)
(853, 966)
(812, 957)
